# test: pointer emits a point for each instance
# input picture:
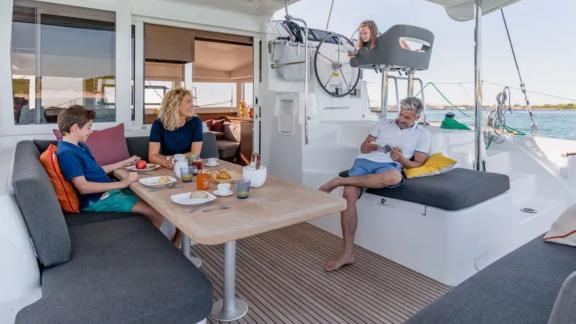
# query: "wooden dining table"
(277, 204)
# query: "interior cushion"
(453, 190)
(65, 192)
(107, 146)
(563, 231)
(218, 125)
(435, 164)
(210, 124)
(123, 271)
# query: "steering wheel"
(332, 66)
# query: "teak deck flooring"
(280, 275)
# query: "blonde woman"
(176, 131)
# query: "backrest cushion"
(138, 145)
(232, 132)
(65, 192)
(39, 206)
(564, 311)
(435, 164)
(209, 146)
(107, 145)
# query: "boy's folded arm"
(86, 187)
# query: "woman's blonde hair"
(371, 25)
(169, 115)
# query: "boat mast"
(479, 164)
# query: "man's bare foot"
(329, 186)
(336, 264)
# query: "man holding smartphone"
(391, 146)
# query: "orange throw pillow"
(65, 192)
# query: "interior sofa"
(229, 140)
(102, 267)
(534, 284)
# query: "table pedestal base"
(230, 307)
(219, 313)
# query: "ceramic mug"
(223, 188)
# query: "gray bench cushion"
(519, 288)
(564, 311)
(40, 209)
(92, 217)
(453, 190)
(122, 271)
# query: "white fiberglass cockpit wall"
(296, 132)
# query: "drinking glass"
(242, 188)
(186, 174)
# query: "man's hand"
(131, 178)
(396, 154)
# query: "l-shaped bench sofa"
(102, 267)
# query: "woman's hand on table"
(167, 162)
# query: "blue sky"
(542, 31)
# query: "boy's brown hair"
(75, 114)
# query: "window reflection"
(61, 56)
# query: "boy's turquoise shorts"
(114, 201)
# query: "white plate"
(217, 193)
(184, 199)
(212, 165)
(155, 181)
(149, 167)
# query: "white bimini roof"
(463, 10)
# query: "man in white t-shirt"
(391, 146)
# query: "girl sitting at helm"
(367, 33)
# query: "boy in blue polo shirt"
(97, 192)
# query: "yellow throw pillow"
(436, 164)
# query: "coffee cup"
(212, 161)
(223, 188)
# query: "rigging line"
(511, 87)
(329, 15)
(522, 85)
(466, 91)
(443, 96)
(534, 92)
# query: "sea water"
(550, 123)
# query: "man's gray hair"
(412, 104)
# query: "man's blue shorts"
(363, 167)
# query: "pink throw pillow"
(210, 124)
(107, 145)
(218, 125)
